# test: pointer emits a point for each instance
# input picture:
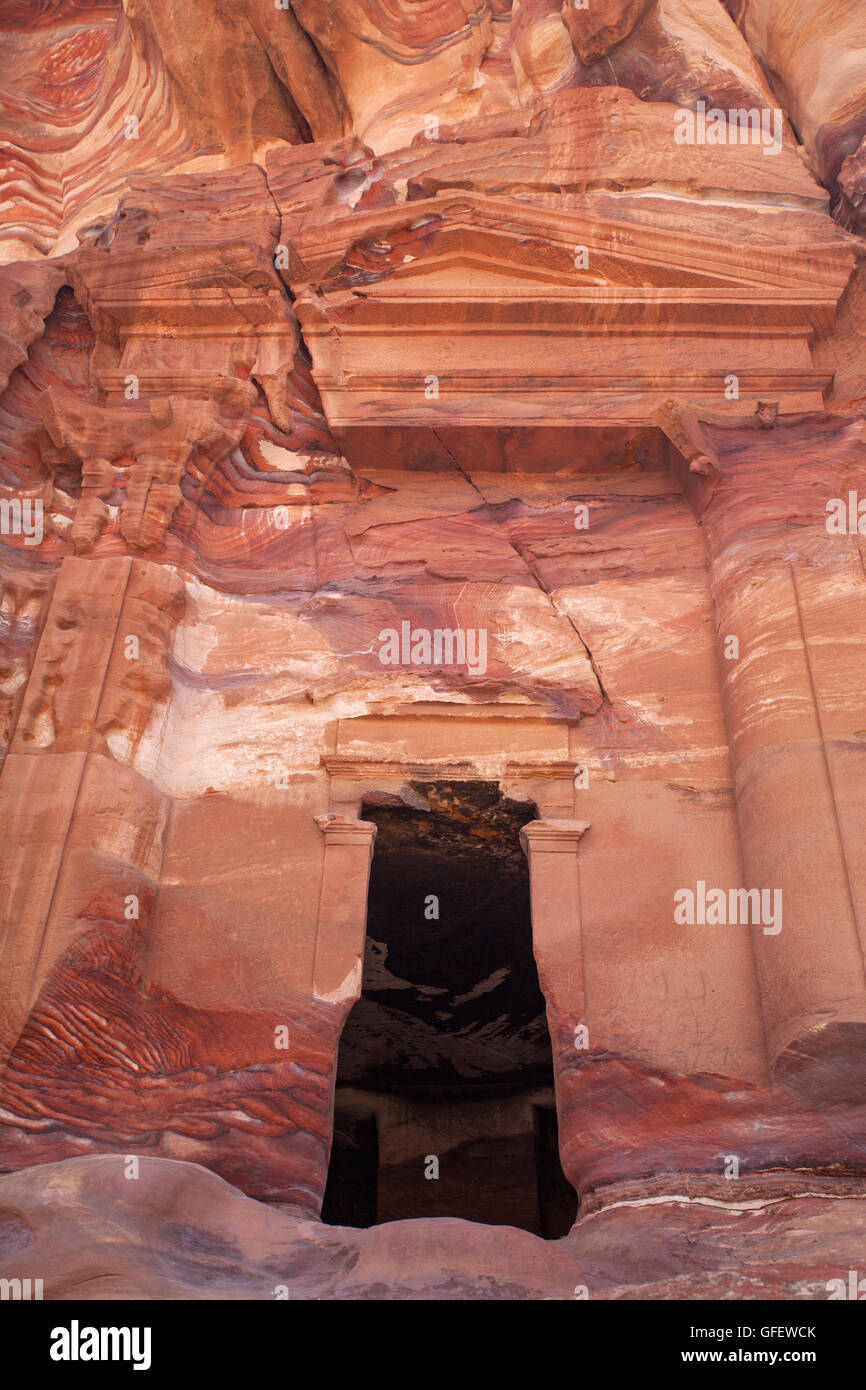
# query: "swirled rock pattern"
(432, 433)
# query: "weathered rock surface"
(177, 1231)
(815, 59)
(411, 448)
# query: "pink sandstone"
(339, 320)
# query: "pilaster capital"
(347, 830)
(552, 836)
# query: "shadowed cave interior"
(445, 1063)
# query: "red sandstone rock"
(54, 1219)
(814, 58)
(388, 328)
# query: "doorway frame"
(551, 844)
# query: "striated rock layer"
(180, 1232)
(432, 438)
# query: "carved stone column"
(84, 831)
(789, 601)
(551, 849)
(339, 955)
(798, 827)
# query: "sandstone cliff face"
(433, 433)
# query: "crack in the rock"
(524, 559)
(530, 567)
(270, 192)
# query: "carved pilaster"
(339, 955)
(551, 848)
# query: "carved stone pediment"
(426, 238)
(448, 311)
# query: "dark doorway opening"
(444, 1102)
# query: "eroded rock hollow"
(432, 648)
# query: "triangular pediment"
(464, 243)
(471, 271)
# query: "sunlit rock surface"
(432, 434)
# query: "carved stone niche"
(467, 310)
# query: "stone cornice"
(459, 288)
(364, 769)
